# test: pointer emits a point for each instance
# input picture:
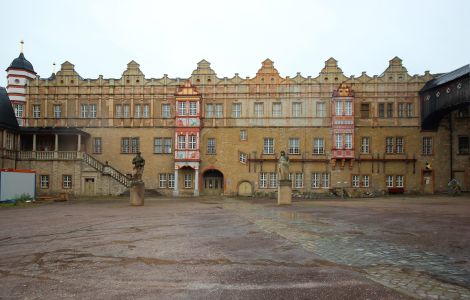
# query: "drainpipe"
(450, 146)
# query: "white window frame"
(242, 157)
(126, 110)
(192, 108)
(36, 111)
(44, 181)
(211, 146)
(389, 181)
(97, 145)
(166, 111)
(298, 181)
(263, 180)
(171, 180)
(272, 179)
(219, 110)
(117, 111)
(339, 141)
(162, 180)
(355, 181)
(365, 144)
(268, 146)
(400, 181)
(181, 142)
(348, 141)
(427, 148)
(209, 111)
(389, 145)
(294, 146)
(67, 181)
(277, 109)
(188, 181)
(316, 180)
(400, 144)
(182, 108)
(325, 180)
(192, 142)
(259, 109)
(57, 111)
(321, 109)
(243, 135)
(348, 108)
(318, 145)
(365, 181)
(296, 109)
(167, 145)
(338, 108)
(146, 111)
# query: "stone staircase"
(106, 169)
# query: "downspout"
(450, 146)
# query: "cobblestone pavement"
(419, 274)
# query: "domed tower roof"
(7, 115)
(21, 63)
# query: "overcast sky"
(170, 37)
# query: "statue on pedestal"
(283, 166)
(139, 163)
(284, 192)
(137, 188)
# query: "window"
(277, 109)
(316, 180)
(36, 111)
(127, 111)
(318, 146)
(400, 181)
(409, 110)
(389, 144)
(243, 135)
(236, 110)
(298, 181)
(365, 181)
(325, 180)
(181, 142)
(87, 110)
(19, 110)
(389, 110)
(296, 109)
(463, 145)
(355, 181)
(118, 111)
(242, 157)
(259, 110)
(268, 146)
(162, 179)
(67, 181)
(97, 145)
(130, 145)
(209, 111)
(146, 111)
(211, 146)
(401, 110)
(381, 110)
(400, 141)
(321, 109)
(263, 180)
(339, 141)
(365, 144)
(192, 142)
(364, 110)
(389, 181)
(162, 145)
(44, 181)
(171, 180)
(137, 111)
(166, 111)
(181, 108)
(348, 108)
(188, 181)
(339, 108)
(193, 108)
(294, 146)
(427, 145)
(348, 141)
(57, 111)
(273, 180)
(219, 110)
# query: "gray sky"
(101, 37)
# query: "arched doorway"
(245, 189)
(213, 182)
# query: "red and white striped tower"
(19, 73)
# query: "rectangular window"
(277, 109)
(125, 145)
(137, 111)
(57, 111)
(427, 145)
(166, 111)
(127, 110)
(135, 145)
(242, 157)
(118, 111)
(339, 141)
(192, 142)
(188, 181)
(259, 110)
(67, 181)
(348, 141)
(18, 110)
(400, 144)
(389, 110)
(318, 146)
(463, 145)
(401, 110)
(219, 110)
(44, 181)
(268, 146)
(389, 144)
(298, 181)
(130, 145)
(92, 111)
(325, 180)
(321, 109)
(193, 108)
(296, 109)
(236, 110)
(166, 145)
(157, 145)
(355, 181)
(146, 111)
(381, 110)
(209, 111)
(83, 110)
(36, 111)
(316, 180)
(243, 135)
(97, 145)
(181, 108)
(171, 180)
(294, 146)
(181, 142)
(273, 180)
(365, 110)
(263, 180)
(409, 110)
(339, 108)
(389, 181)
(162, 178)
(365, 181)
(400, 182)
(211, 146)
(348, 108)
(365, 144)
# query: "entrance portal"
(213, 182)
(89, 188)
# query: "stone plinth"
(284, 192)
(137, 193)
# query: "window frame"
(44, 184)
(268, 146)
(67, 184)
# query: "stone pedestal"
(137, 193)
(284, 192)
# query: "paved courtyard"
(212, 248)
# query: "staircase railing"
(106, 169)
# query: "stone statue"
(139, 163)
(283, 166)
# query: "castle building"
(393, 132)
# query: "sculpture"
(139, 163)
(283, 166)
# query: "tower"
(19, 73)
